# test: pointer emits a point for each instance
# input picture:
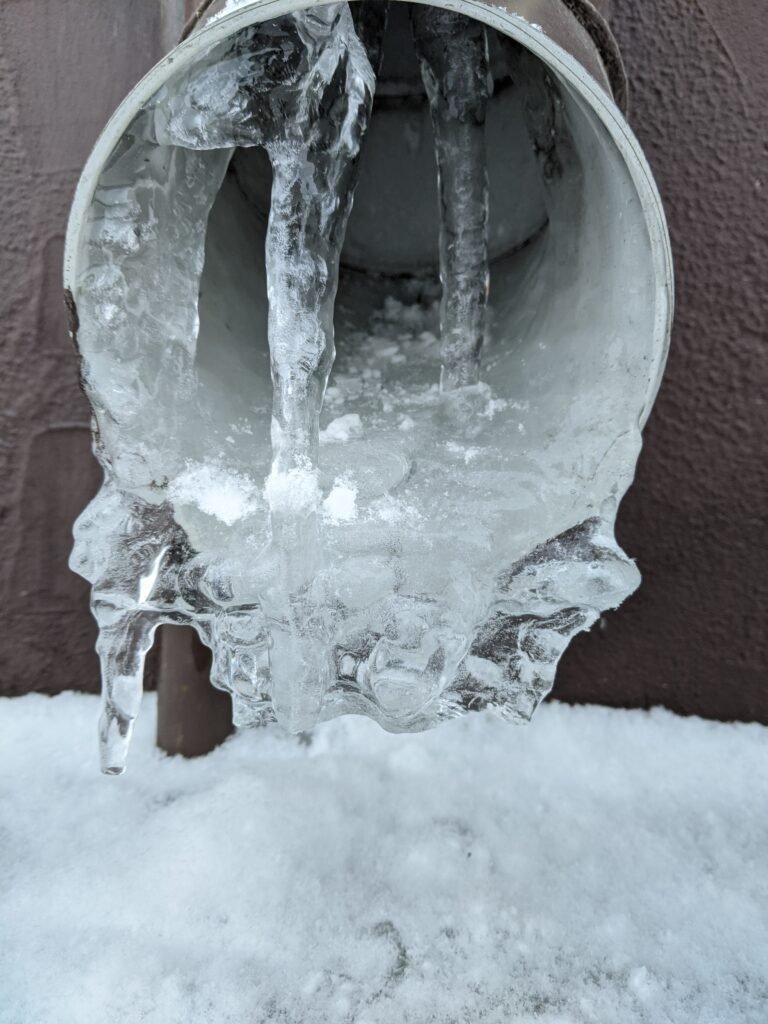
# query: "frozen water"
(606, 867)
(430, 550)
(303, 90)
(453, 51)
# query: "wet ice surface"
(603, 866)
(420, 551)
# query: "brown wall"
(64, 67)
(694, 638)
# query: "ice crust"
(420, 555)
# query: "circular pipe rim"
(587, 14)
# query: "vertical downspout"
(193, 716)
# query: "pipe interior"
(573, 341)
(453, 497)
(573, 296)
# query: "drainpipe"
(573, 39)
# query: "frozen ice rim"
(485, 538)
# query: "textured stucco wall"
(64, 67)
(694, 637)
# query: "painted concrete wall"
(694, 637)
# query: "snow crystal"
(343, 428)
(341, 504)
(293, 490)
(600, 867)
(227, 495)
(468, 454)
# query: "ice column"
(453, 52)
(302, 88)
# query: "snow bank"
(598, 866)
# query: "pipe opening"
(465, 537)
(572, 296)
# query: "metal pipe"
(192, 716)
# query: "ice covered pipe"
(409, 519)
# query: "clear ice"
(383, 565)
(453, 52)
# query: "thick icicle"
(543, 107)
(313, 162)
(303, 89)
(370, 19)
(154, 331)
(453, 52)
(122, 647)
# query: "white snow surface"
(597, 866)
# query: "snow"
(343, 428)
(292, 490)
(341, 504)
(227, 495)
(230, 7)
(596, 866)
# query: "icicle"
(303, 88)
(385, 598)
(122, 647)
(453, 52)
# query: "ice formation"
(417, 557)
(453, 51)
